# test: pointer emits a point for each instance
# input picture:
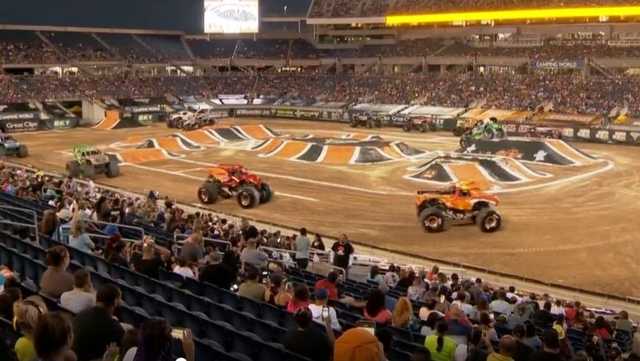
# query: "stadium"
(298, 180)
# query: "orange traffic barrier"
(338, 154)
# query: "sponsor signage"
(569, 64)
(157, 108)
(19, 125)
(62, 123)
(19, 115)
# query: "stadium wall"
(175, 15)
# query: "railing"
(226, 245)
(287, 257)
(28, 211)
(63, 231)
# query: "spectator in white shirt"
(391, 278)
(82, 296)
(320, 310)
(183, 269)
(460, 301)
(500, 304)
(557, 308)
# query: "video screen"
(231, 16)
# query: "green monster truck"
(485, 129)
(89, 161)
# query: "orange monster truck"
(461, 203)
(232, 180)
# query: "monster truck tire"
(113, 169)
(265, 193)
(248, 197)
(208, 192)
(424, 127)
(353, 123)
(370, 123)
(433, 220)
(23, 151)
(465, 142)
(406, 126)
(73, 168)
(500, 134)
(88, 170)
(489, 220)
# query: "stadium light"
(525, 14)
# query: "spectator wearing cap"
(56, 279)
(251, 288)
(506, 350)
(320, 310)
(308, 341)
(550, 348)
(82, 296)
(330, 284)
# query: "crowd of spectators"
(459, 319)
(378, 8)
(560, 91)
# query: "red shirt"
(330, 287)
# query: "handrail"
(64, 236)
(312, 252)
(226, 244)
(30, 211)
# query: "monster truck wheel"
(370, 124)
(458, 131)
(113, 169)
(353, 123)
(88, 170)
(424, 128)
(208, 192)
(265, 193)
(406, 126)
(23, 151)
(489, 220)
(500, 134)
(432, 127)
(465, 142)
(248, 197)
(433, 220)
(73, 168)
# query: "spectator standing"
(522, 351)
(56, 279)
(623, 323)
(276, 293)
(544, 318)
(151, 261)
(320, 310)
(531, 339)
(317, 243)
(95, 328)
(78, 238)
(342, 251)
(402, 316)
(193, 248)
(251, 288)
(330, 284)
(500, 304)
(82, 296)
(182, 268)
(302, 245)
(477, 347)
(309, 341)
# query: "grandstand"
(138, 267)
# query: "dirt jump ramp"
(550, 151)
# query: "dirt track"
(581, 232)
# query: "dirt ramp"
(137, 156)
(550, 151)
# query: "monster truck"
(89, 161)
(232, 180)
(10, 146)
(189, 120)
(422, 124)
(485, 129)
(535, 131)
(364, 119)
(461, 204)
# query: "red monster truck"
(461, 203)
(232, 180)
